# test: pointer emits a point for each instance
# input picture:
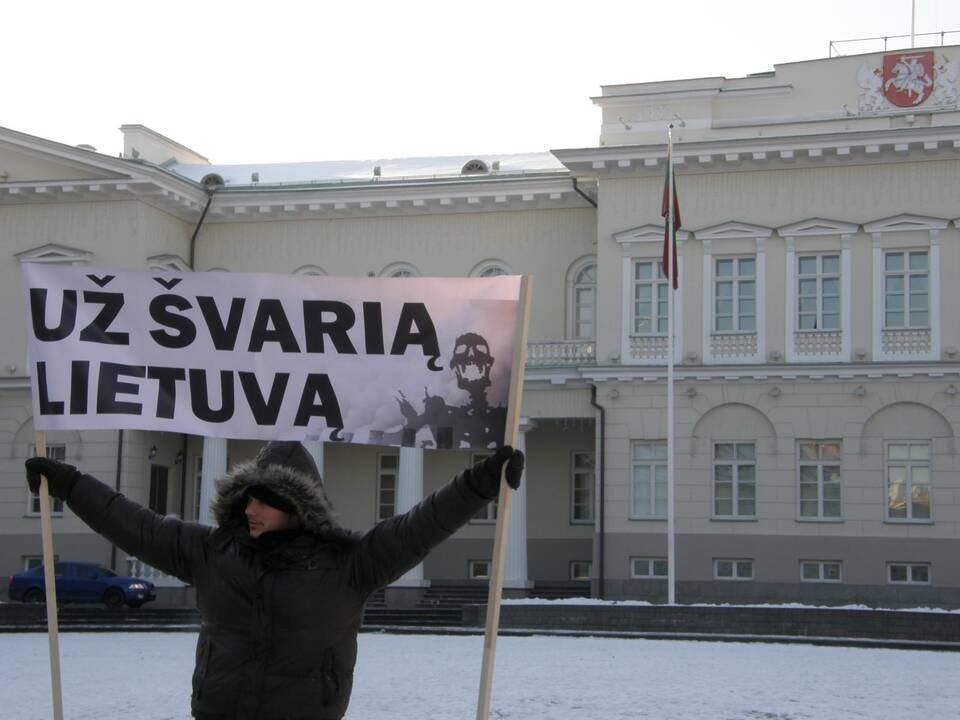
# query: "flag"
(669, 242)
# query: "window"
(649, 298)
(388, 468)
(734, 293)
(158, 489)
(478, 569)
(734, 480)
(649, 486)
(581, 488)
(819, 472)
(820, 571)
(818, 292)
(492, 271)
(33, 561)
(488, 513)
(54, 452)
(725, 569)
(585, 303)
(580, 569)
(198, 485)
(908, 573)
(908, 481)
(648, 567)
(400, 270)
(906, 286)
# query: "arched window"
(310, 270)
(474, 167)
(490, 268)
(400, 270)
(583, 301)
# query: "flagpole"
(671, 530)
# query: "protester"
(280, 585)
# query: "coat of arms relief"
(908, 79)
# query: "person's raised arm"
(168, 544)
(394, 546)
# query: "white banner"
(422, 362)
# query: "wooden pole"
(511, 433)
(50, 584)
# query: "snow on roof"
(362, 170)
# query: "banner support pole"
(50, 583)
(511, 434)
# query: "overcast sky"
(283, 81)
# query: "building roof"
(352, 171)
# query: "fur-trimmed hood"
(287, 470)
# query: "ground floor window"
(820, 571)
(32, 561)
(388, 465)
(908, 573)
(478, 569)
(159, 475)
(732, 569)
(582, 481)
(648, 567)
(580, 569)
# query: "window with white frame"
(735, 295)
(478, 569)
(649, 298)
(906, 289)
(29, 562)
(908, 481)
(818, 292)
(197, 486)
(820, 571)
(54, 452)
(902, 573)
(158, 489)
(388, 468)
(400, 270)
(648, 567)
(732, 569)
(581, 487)
(819, 477)
(734, 480)
(649, 481)
(580, 569)
(585, 302)
(488, 513)
(491, 269)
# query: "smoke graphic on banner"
(422, 362)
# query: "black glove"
(486, 473)
(60, 477)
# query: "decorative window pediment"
(649, 233)
(53, 253)
(734, 230)
(170, 263)
(906, 223)
(817, 226)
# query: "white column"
(933, 295)
(214, 467)
(626, 313)
(707, 299)
(790, 300)
(761, 302)
(515, 567)
(409, 493)
(877, 299)
(315, 448)
(846, 297)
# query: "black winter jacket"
(280, 613)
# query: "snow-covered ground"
(401, 677)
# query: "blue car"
(82, 582)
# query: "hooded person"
(280, 585)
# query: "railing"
(139, 569)
(556, 353)
(886, 39)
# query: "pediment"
(28, 165)
(906, 223)
(646, 234)
(53, 253)
(733, 230)
(169, 263)
(817, 226)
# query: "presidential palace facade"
(817, 356)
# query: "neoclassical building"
(817, 358)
